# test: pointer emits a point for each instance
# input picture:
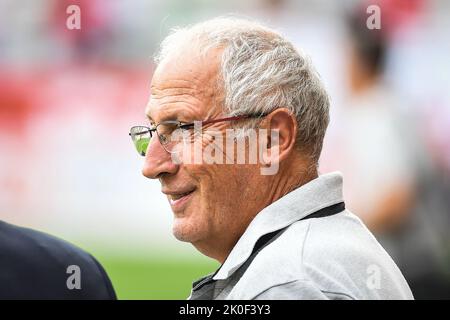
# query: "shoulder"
(35, 265)
(342, 255)
(324, 258)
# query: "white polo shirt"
(331, 257)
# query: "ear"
(281, 132)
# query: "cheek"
(219, 190)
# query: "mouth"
(178, 201)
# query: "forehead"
(184, 85)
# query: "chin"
(186, 230)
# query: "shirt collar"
(317, 194)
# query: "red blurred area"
(112, 92)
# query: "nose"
(157, 161)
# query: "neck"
(288, 179)
(291, 178)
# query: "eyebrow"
(149, 118)
(167, 118)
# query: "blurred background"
(68, 98)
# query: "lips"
(178, 198)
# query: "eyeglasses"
(141, 135)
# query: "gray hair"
(260, 72)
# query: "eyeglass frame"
(182, 125)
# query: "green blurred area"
(167, 277)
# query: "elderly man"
(279, 234)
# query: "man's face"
(207, 199)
